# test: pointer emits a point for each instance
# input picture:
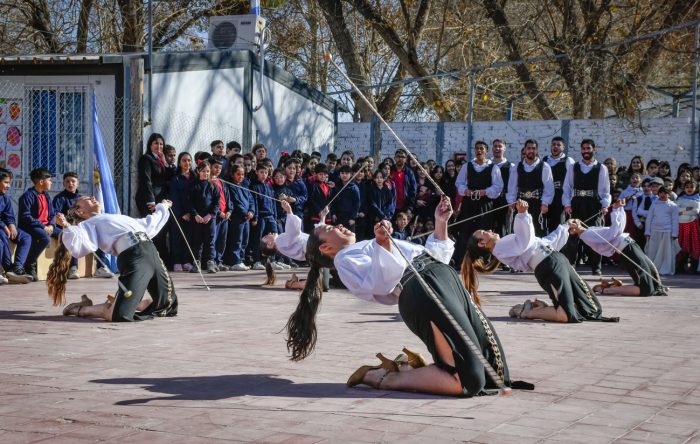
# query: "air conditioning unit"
(235, 32)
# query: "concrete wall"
(664, 139)
(289, 121)
(192, 108)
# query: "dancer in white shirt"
(573, 299)
(291, 243)
(605, 241)
(375, 271)
(140, 266)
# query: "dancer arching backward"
(291, 243)
(602, 240)
(140, 267)
(375, 271)
(573, 299)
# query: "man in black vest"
(587, 198)
(531, 180)
(560, 163)
(478, 183)
(502, 219)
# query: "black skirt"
(647, 285)
(418, 310)
(567, 290)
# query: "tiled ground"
(219, 371)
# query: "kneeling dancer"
(374, 270)
(608, 240)
(140, 266)
(572, 298)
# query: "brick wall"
(664, 139)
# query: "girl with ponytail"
(373, 271)
(572, 298)
(138, 261)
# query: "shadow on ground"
(212, 388)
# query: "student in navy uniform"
(265, 220)
(347, 203)
(12, 271)
(282, 192)
(319, 195)
(180, 190)
(217, 152)
(297, 186)
(242, 211)
(222, 219)
(400, 230)
(36, 216)
(380, 200)
(204, 208)
(61, 203)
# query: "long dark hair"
(179, 158)
(301, 326)
(152, 138)
(477, 260)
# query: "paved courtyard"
(219, 371)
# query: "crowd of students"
(226, 202)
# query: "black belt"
(419, 263)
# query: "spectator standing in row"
(404, 181)
(587, 198)
(662, 233)
(502, 219)
(478, 184)
(531, 180)
(180, 190)
(559, 162)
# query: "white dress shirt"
(603, 183)
(515, 250)
(639, 211)
(630, 194)
(371, 272)
(493, 191)
(547, 182)
(103, 230)
(596, 237)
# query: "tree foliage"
(585, 58)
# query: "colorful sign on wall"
(11, 134)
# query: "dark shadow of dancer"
(212, 388)
(389, 317)
(26, 316)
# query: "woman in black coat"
(152, 187)
(152, 176)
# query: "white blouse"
(515, 250)
(103, 230)
(371, 272)
(614, 234)
(292, 243)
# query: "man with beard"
(531, 180)
(560, 163)
(404, 181)
(479, 183)
(501, 218)
(586, 197)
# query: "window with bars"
(56, 129)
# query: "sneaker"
(211, 267)
(258, 266)
(223, 267)
(103, 272)
(276, 266)
(187, 267)
(596, 272)
(19, 276)
(284, 266)
(193, 269)
(240, 267)
(73, 273)
(3, 280)
(32, 271)
(177, 268)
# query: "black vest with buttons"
(586, 182)
(531, 181)
(478, 180)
